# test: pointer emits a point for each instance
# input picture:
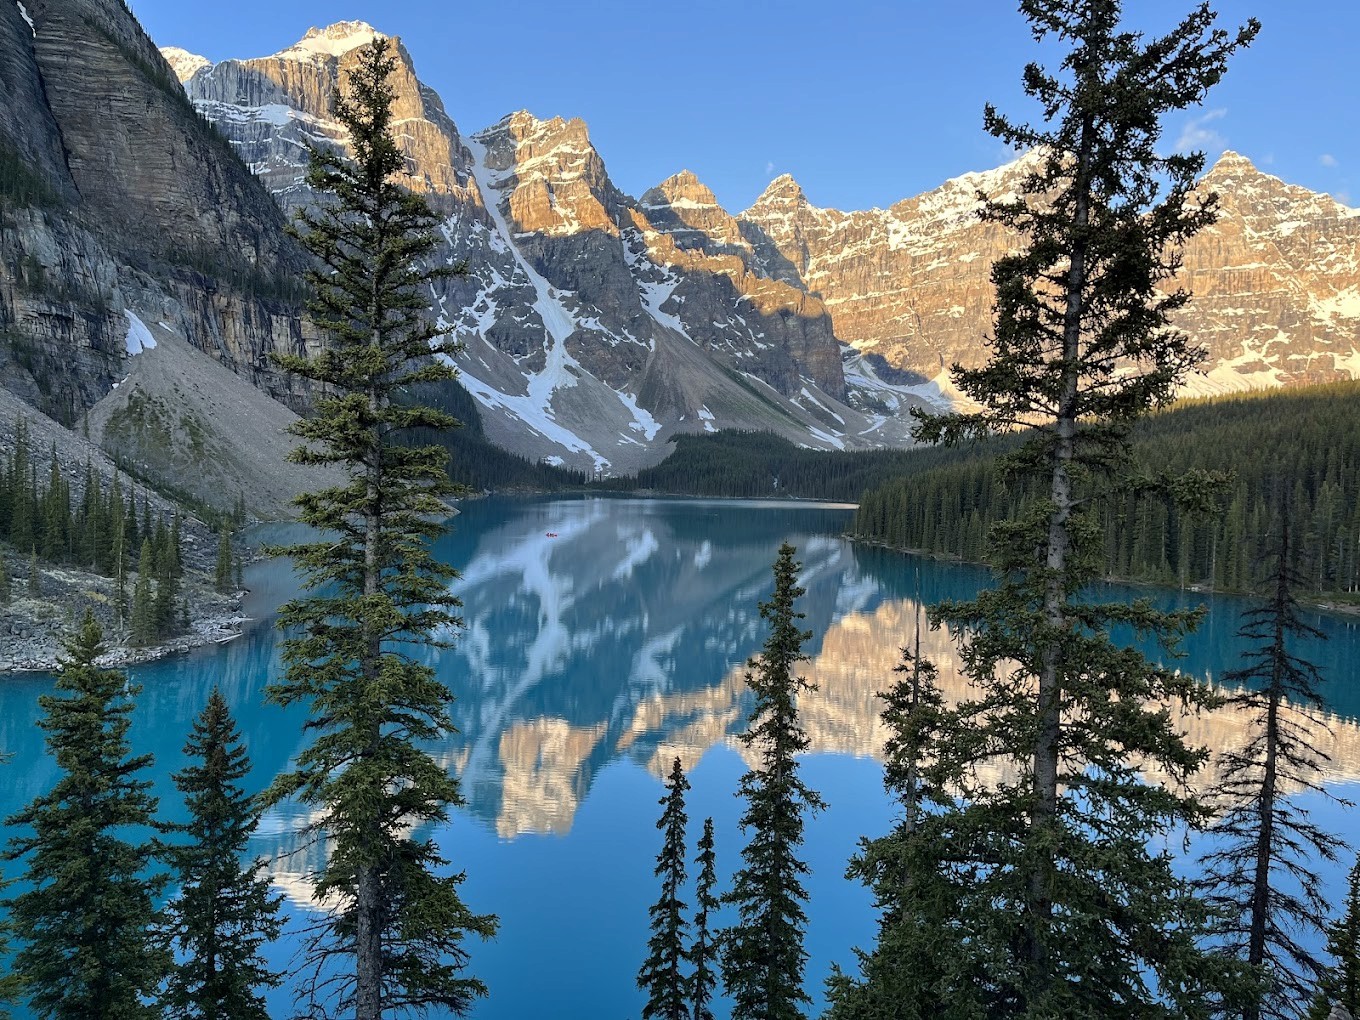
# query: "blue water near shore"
(602, 638)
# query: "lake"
(603, 638)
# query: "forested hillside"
(1301, 443)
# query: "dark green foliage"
(762, 953)
(749, 464)
(224, 911)
(222, 576)
(1340, 983)
(34, 576)
(1304, 442)
(702, 955)
(144, 630)
(84, 925)
(5, 583)
(97, 531)
(395, 938)
(661, 974)
(1063, 907)
(1262, 871)
(913, 971)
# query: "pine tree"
(916, 969)
(1262, 871)
(222, 577)
(5, 582)
(1340, 983)
(702, 955)
(762, 953)
(224, 911)
(34, 576)
(396, 937)
(84, 924)
(660, 975)
(1068, 912)
(144, 631)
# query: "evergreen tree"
(144, 630)
(5, 582)
(166, 601)
(661, 974)
(1067, 910)
(1340, 983)
(222, 577)
(762, 953)
(84, 923)
(702, 955)
(395, 938)
(224, 912)
(916, 969)
(1262, 871)
(34, 576)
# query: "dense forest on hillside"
(1303, 444)
(752, 464)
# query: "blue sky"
(864, 103)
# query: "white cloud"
(1198, 135)
(769, 169)
(1327, 159)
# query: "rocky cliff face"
(118, 197)
(1276, 282)
(594, 330)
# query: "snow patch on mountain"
(138, 337)
(560, 370)
(332, 41)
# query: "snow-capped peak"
(183, 63)
(334, 40)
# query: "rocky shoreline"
(34, 628)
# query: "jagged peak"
(334, 40)
(521, 125)
(684, 186)
(183, 63)
(780, 191)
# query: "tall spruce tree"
(84, 923)
(224, 911)
(1340, 983)
(144, 629)
(1262, 871)
(916, 969)
(762, 953)
(702, 955)
(1067, 910)
(662, 975)
(396, 936)
(222, 575)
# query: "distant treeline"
(1301, 444)
(750, 464)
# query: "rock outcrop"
(1276, 282)
(118, 196)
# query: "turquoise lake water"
(603, 638)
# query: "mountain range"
(151, 187)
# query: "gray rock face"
(591, 334)
(141, 205)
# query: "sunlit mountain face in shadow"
(602, 639)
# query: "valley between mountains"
(145, 192)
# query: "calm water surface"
(590, 658)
